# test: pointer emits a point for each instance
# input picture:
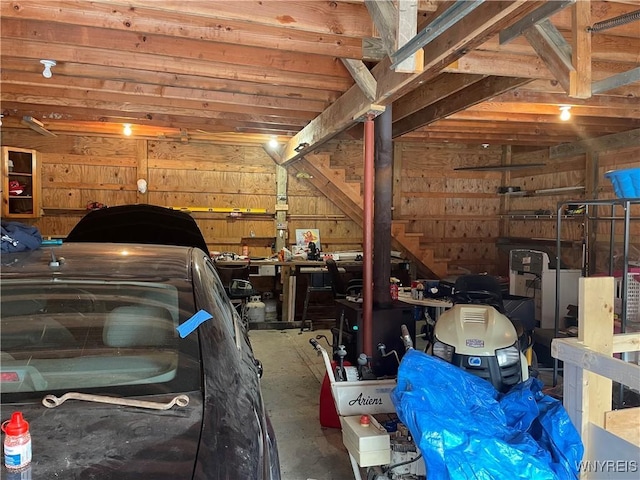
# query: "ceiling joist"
(221, 69)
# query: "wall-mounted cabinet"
(20, 183)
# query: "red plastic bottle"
(394, 291)
(17, 443)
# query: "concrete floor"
(291, 383)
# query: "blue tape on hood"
(194, 322)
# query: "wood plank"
(487, 62)
(626, 342)
(102, 87)
(478, 92)
(625, 424)
(52, 95)
(470, 32)
(73, 70)
(527, 96)
(362, 76)
(554, 52)
(430, 92)
(616, 81)
(210, 27)
(339, 116)
(595, 298)
(168, 64)
(385, 17)
(407, 25)
(581, 50)
(608, 142)
(489, 18)
(158, 125)
(542, 13)
(331, 17)
(177, 47)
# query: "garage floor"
(291, 383)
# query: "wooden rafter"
(554, 51)
(581, 51)
(488, 19)
(362, 76)
(473, 94)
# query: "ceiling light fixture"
(273, 143)
(126, 129)
(46, 73)
(565, 114)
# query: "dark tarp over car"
(149, 224)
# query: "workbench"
(285, 275)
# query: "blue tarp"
(466, 429)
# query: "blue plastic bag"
(466, 429)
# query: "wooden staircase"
(348, 197)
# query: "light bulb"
(565, 114)
(46, 73)
(273, 143)
(126, 129)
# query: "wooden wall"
(77, 170)
(458, 212)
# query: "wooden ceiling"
(306, 71)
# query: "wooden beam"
(172, 64)
(372, 49)
(608, 142)
(488, 19)
(554, 51)
(76, 74)
(164, 46)
(385, 17)
(471, 95)
(580, 86)
(194, 108)
(615, 81)
(337, 117)
(140, 91)
(362, 77)
(323, 18)
(432, 91)
(542, 13)
(212, 27)
(406, 30)
(529, 96)
(452, 13)
(514, 64)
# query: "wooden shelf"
(20, 165)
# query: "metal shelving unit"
(625, 204)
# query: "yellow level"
(220, 209)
